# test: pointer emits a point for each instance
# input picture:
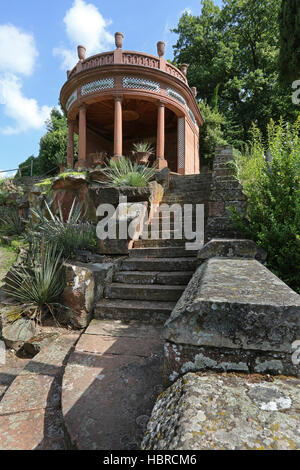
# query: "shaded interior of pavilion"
(139, 122)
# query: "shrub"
(123, 172)
(269, 174)
(39, 285)
(69, 236)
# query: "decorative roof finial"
(184, 68)
(194, 91)
(119, 37)
(161, 47)
(81, 53)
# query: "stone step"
(158, 243)
(163, 252)
(160, 264)
(159, 234)
(127, 310)
(144, 292)
(152, 277)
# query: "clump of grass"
(123, 172)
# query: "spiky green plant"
(39, 285)
(123, 172)
(70, 235)
(11, 223)
(144, 147)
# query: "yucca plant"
(123, 172)
(11, 223)
(70, 235)
(39, 285)
(143, 147)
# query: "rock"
(232, 248)
(163, 177)
(234, 314)
(16, 334)
(85, 285)
(226, 412)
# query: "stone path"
(30, 411)
(110, 385)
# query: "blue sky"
(38, 43)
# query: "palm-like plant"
(39, 285)
(123, 172)
(11, 223)
(144, 147)
(70, 235)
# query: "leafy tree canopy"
(53, 147)
(235, 50)
(289, 59)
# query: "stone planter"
(81, 53)
(161, 47)
(119, 37)
(141, 157)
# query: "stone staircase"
(154, 276)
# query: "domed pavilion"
(116, 99)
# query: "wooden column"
(70, 152)
(160, 146)
(118, 130)
(82, 137)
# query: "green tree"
(234, 51)
(270, 173)
(211, 133)
(289, 59)
(53, 147)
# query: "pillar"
(70, 151)
(160, 146)
(82, 137)
(118, 129)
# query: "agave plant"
(70, 235)
(11, 223)
(123, 172)
(143, 147)
(39, 285)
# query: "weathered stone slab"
(110, 385)
(127, 346)
(51, 359)
(105, 397)
(117, 328)
(237, 304)
(31, 392)
(32, 430)
(232, 249)
(226, 412)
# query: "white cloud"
(26, 112)
(85, 26)
(18, 57)
(18, 50)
